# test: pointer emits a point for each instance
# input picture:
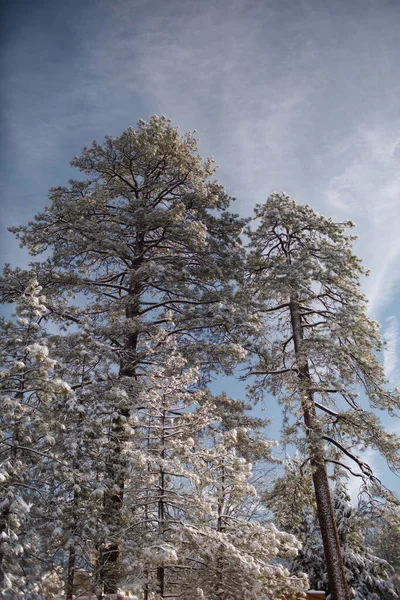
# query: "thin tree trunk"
(220, 528)
(70, 582)
(146, 517)
(69, 588)
(326, 516)
(101, 575)
(160, 581)
(146, 586)
(161, 511)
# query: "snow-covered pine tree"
(292, 502)
(77, 528)
(367, 574)
(304, 280)
(178, 506)
(383, 534)
(146, 234)
(173, 416)
(234, 554)
(291, 496)
(28, 431)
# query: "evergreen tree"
(291, 496)
(368, 575)
(184, 527)
(381, 517)
(28, 429)
(146, 235)
(77, 529)
(305, 282)
(292, 502)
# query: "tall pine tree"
(316, 347)
(146, 233)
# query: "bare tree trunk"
(69, 587)
(220, 528)
(146, 590)
(146, 586)
(160, 581)
(98, 576)
(326, 516)
(161, 512)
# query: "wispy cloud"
(367, 191)
(390, 357)
(371, 457)
(294, 96)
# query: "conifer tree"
(384, 534)
(28, 429)
(367, 574)
(185, 532)
(147, 234)
(79, 473)
(304, 278)
(292, 502)
(291, 496)
(236, 551)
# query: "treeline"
(120, 470)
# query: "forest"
(122, 473)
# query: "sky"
(293, 95)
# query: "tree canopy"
(120, 470)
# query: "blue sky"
(300, 96)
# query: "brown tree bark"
(326, 516)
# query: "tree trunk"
(326, 516)
(113, 502)
(147, 572)
(160, 581)
(161, 511)
(219, 593)
(69, 588)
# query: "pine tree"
(241, 557)
(79, 474)
(381, 520)
(292, 502)
(305, 282)
(27, 435)
(368, 575)
(295, 488)
(192, 492)
(234, 553)
(146, 235)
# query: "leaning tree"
(316, 349)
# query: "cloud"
(390, 359)
(288, 96)
(367, 191)
(372, 458)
